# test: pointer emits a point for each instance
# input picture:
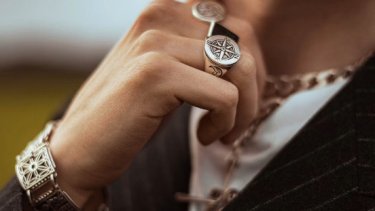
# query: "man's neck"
(304, 36)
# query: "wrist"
(37, 174)
(77, 195)
(68, 177)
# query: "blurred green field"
(28, 98)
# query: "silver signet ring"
(221, 53)
(209, 11)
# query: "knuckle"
(230, 96)
(249, 60)
(150, 39)
(152, 34)
(154, 57)
(222, 127)
(248, 65)
(154, 13)
(150, 65)
(228, 126)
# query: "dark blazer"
(328, 165)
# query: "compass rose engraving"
(222, 50)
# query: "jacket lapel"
(329, 164)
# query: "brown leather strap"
(58, 201)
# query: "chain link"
(277, 90)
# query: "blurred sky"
(67, 31)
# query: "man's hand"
(157, 66)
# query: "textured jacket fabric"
(328, 165)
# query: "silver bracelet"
(36, 173)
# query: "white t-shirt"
(208, 162)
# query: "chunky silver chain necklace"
(277, 90)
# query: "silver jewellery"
(220, 48)
(36, 173)
(277, 90)
(221, 54)
(209, 11)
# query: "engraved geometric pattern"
(33, 169)
(31, 147)
(223, 49)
